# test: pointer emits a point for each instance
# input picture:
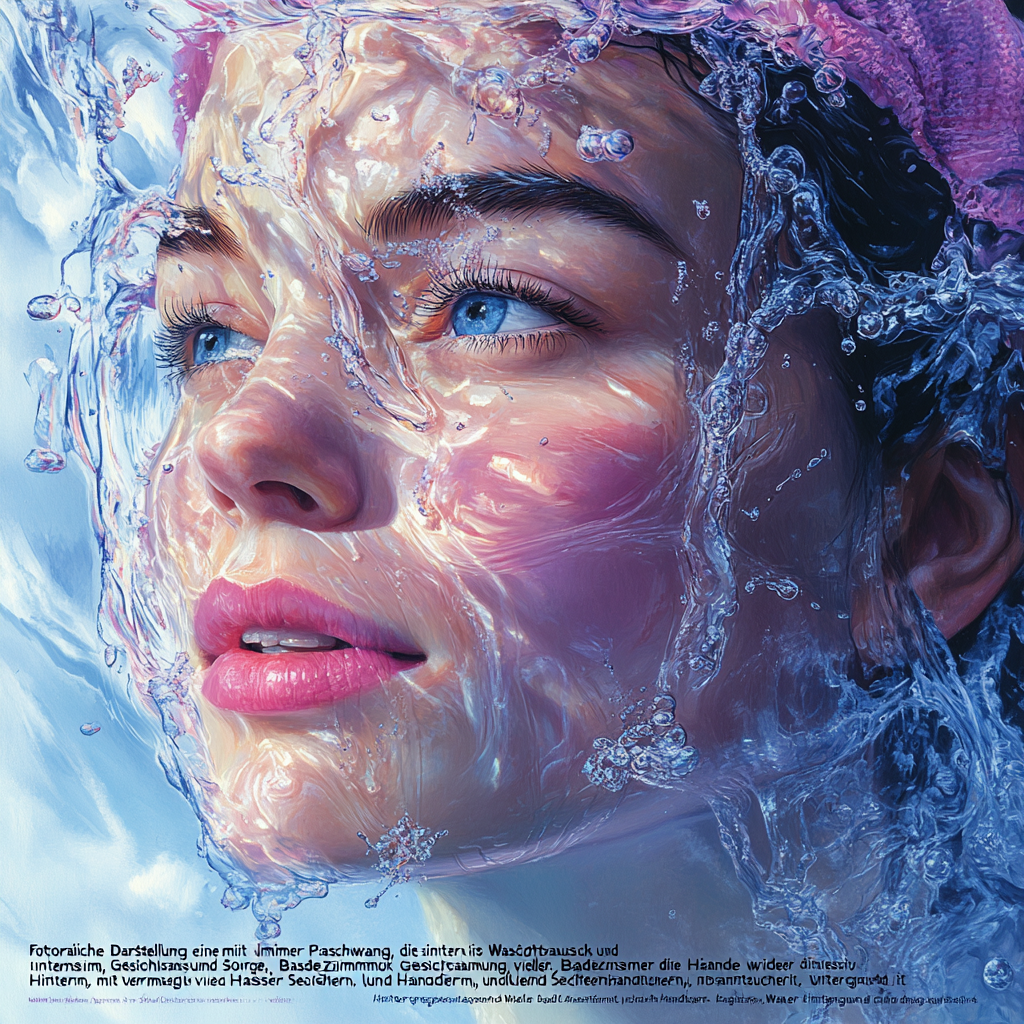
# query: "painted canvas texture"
(512, 511)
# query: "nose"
(276, 454)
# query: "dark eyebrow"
(444, 200)
(195, 229)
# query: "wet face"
(420, 517)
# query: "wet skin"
(522, 540)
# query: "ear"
(959, 540)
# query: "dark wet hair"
(885, 200)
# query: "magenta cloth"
(952, 70)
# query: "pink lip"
(253, 683)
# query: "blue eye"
(216, 344)
(480, 313)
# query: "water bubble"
(168, 467)
(671, 915)
(543, 441)
(794, 92)
(753, 514)
(379, 115)
(860, 405)
(43, 307)
(594, 145)
(869, 325)
(583, 50)
(828, 78)
(938, 865)
(109, 655)
(835, 99)
(702, 208)
(998, 974)
(782, 181)
(45, 460)
(89, 729)
(490, 90)
(72, 304)
(786, 168)
(460, 426)
(849, 346)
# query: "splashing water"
(398, 850)
(651, 750)
(946, 807)
(44, 377)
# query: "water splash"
(955, 764)
(652, 749)
(398, 850)
(44, 377)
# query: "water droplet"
(132, 5)
(869, 325)
(702, 208)
(460, 426)
(45, 460)
(828, 78)
(43, 307)
(938, 865)
(998, 974)
(594, 145)
(671, 915)
(681, 275)
(543, 441)
(490, 90)
(72, 304)
(110, 655)
(753, 515)
(860, 405)
(583, 50)
(786, 168)
(816, 606)
(794, 92)
(849, 346)
(89, 729)
(379, 115)
(168, 467)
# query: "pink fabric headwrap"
(952, 70)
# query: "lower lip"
(252, 683)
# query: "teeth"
(280, 641)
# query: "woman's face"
(421, 573)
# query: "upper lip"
(226, 610)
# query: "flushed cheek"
(513, 501)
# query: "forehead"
(396, 111)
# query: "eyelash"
(446, 289)
(180, 321)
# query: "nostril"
(275, 488)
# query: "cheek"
(581, 531)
